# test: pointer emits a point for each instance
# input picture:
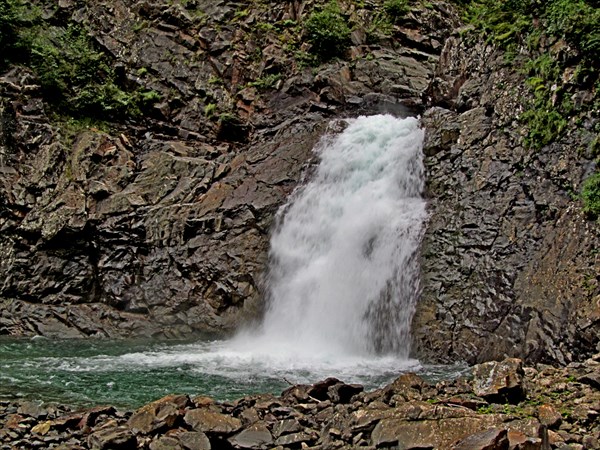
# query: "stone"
(256, 435)
(549, 416)
(342, 392)
(208, 421)
(194, 440)
(294, 438)
(286, 427)
(32, 409)
(592, 378)
(491, 439)
(158, 414)
(429, 426)
(112, 438)
(499, 380)
(42, 428)
(320, 390)
(165, 443)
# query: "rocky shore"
(501, 406)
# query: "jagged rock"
(159, 414)
(295, 438)
(592, 378)
(32, 409)
(165, 443)
(194, 440)
(255, 436)
(549, 416)
(286, 426)
(492, 439)
(208, 421)
(493, 380)
(443, 427)
(112, 438)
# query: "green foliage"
(14, 16)
(8, 19)
(570, 29)
(396, 9)
(590, 194)
(77, 79)
(546, 117)
(267, 81)
(502, 22)
(578, 23)
(210, 110)
(328, 32)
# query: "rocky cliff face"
(159, 226)
(510, 262)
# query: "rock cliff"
(158, 224)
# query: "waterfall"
(343, 271)
(343, 279)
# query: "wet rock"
(504, 380)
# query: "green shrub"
(578, 23)
(590, 194)
(14, 17)
(8, 28)
(266, 82)
(77, 78)
(328, 32)
(525, 25)
(396, 9)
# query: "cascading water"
(343, 277)
(343, 280)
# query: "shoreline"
(502, 406)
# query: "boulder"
(212, 422)
(491, 439)
(158, 414)
(255, 436)
(194, 440)
(497, 381)
(112, 438)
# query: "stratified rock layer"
(510, 266)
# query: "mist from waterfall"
(343, 273)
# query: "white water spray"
(343, 274)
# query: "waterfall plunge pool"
(128, 374)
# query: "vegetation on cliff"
(555, 44)
(77, 78)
